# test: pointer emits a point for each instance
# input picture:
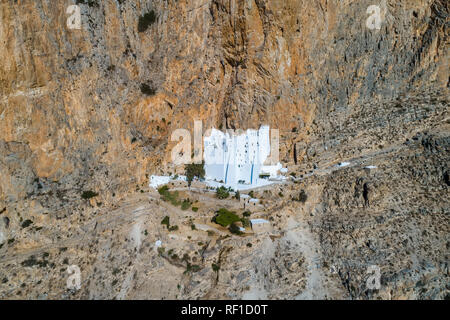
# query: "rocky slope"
(75, 117)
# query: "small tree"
(222, 193)
(193, 170)
(166, 221)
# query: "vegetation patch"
(302, 197)
(166, 221)
(186, 204)
(26, 223)
(194, 170)
(215, 267)
(225, 217)
(222, 193)
(146, 20)
(190, 268)
(32, 261)
(90, 3)
(168, 196)
(88, 194)
(147, 89)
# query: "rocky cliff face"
(93, 110)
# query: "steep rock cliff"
(93, 109)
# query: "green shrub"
(246, 213)
(146, 20)
(192, 268)
(166, 221)
(173, 228)
(302, 197)
(26, 223)
(32, 261)
(225, 217)
(215, 267)
(88, 194)
(237, 195)
(147, 90)
(222, 193)
(185, 204)
(195, 209)
(163, 189)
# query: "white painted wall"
(238, 157)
